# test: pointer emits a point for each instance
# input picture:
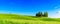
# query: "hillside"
(25, 19)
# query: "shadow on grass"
(50, 19)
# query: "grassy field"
(24, 19)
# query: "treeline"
(40, 14)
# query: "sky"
(31, 7)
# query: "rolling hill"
(25, 19)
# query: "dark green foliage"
(40, 14)
(45, 14)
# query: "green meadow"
(25, 19)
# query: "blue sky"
(30, 7)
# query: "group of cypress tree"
(40, 14)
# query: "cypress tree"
(39, 14)
(45, 14)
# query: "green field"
(25, 19)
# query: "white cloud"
(55, 14)
(57, 7)
(58, 12)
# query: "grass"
(24, 19)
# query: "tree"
(45, 14)
(39, 14)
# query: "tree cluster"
(40, 14)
